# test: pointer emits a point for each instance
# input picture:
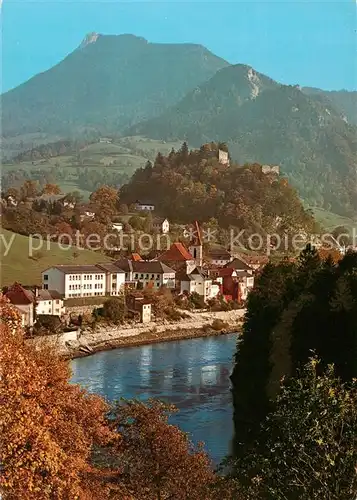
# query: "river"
(192, 374)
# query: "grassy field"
(17, 265)
(330, 220)
(124, 155)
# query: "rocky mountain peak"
(88, 39)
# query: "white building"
(84, 281)
(149, 273)
(161, 225)
(143, 206)
(223, 157)
(49, 302)
(197, 281)
(117, 226)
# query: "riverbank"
(197, 325)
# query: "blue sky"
(306, 42)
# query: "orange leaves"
(48, 426)
(51, 189)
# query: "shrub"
(219, 324)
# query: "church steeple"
(196, 248)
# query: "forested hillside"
(270, 123)
(193, 184)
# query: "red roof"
(136, 257)
(17, 295)
(177, 252)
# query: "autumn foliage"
(158, 460)
(59, 442)
(47, 426)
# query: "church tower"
(196, 248)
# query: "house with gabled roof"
(150, 273)
(23, 301)
(144, 205)
(199, 282)
(181, 258)
(161, 225)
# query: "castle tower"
(196, 248)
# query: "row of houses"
(180, 269)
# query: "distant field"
(330, 220)
(150, 146)
(70, 186)
(125, 155)
(18, 266)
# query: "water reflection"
(192, 374)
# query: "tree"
(136, 222)
(13, 193)
(51, 189)
(342, 235)
(148, 223)
(295, 308)
(158, 460)
(29, 190)
(74, 197)
(114, 309)
(308, 445)
(123, 209)
(106, 198)
(48, 426)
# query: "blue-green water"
(192, 374)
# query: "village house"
(139, 308)
(84, 281)
(117, 226)
(236, 283)
(178, 257)
(161, 225)
(34, 302)
(151, 273)
(143, 206)
(53, 198)
(184, 260)
(23, 301)
(256, 262)
(86, 212)
(199, 282)
(219, 257)
(48, 302)
(240, 266)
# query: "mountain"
(266, 122)
(344, 101)
(106, 84)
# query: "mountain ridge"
(277, 124)
(124, 85)
(81, 91)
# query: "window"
(152, 276)
(45, 277)
(158, 276)
(141, 276)
(136, 276)
(45, 287)
(57, 301)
